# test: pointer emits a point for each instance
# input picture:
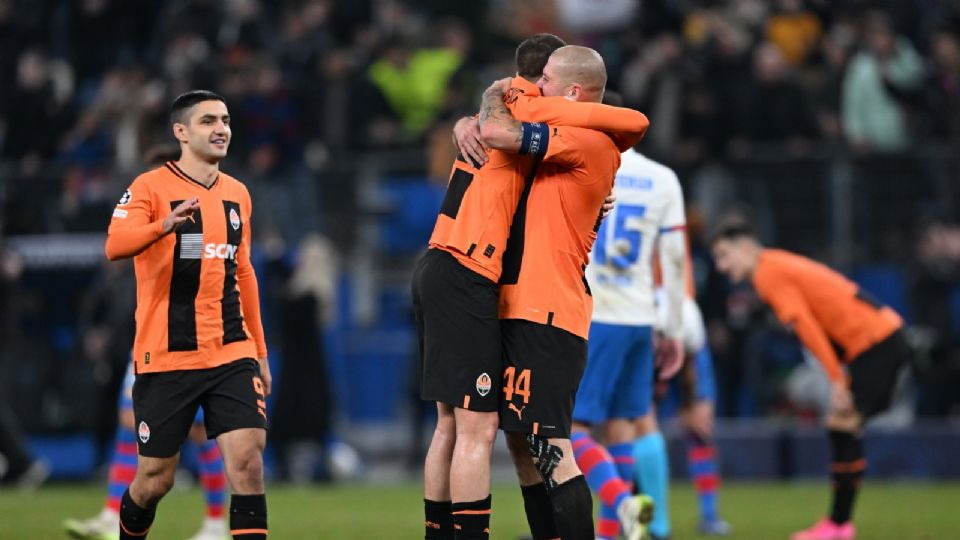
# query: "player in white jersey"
(616, 391)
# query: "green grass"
(887, 511)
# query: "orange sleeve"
(792, 310)
(563, 112)
(249, 289)
(133, 226)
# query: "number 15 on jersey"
(622, 247)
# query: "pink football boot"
(825, 529)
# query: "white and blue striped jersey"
(620, 273)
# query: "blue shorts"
(618, 380)
(126, 394)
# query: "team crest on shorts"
(144, 432)
(483, 384)
(234, 219)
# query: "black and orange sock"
(135, 521)
(471, 520)
(536, 504)
(846, 472)
(573, 508)
(437, 522)
(248, 517)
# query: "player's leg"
(652, 471)
(697, 415)
(234, 412)
(543, 370)
(536, 500)
(873, 377)
(607, 356)
(121, 470)
(459, 332)
(164, 405)
(213, 481)
(438, 521)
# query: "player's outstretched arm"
(559, 111)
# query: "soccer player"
(616, 391)
(828, 313)
(123, 468)
(199, 339)
(455, 295)
(695, 384)
(545, 302)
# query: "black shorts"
(542, 370)
(458, 332)
(165, 404)
(873, 374)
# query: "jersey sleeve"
(674, 216)
(135, 223)
(249, 289)
(791, 309)
(563, 112)
(566, 146)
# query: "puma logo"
(519, 411)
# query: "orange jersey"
(478, 209)
(543, 279)
(825, 309)
(197, 300)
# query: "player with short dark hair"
(828, 313)
(199, 339)
(455, 294)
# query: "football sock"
(702, 465)
(471, 520)
(248, 517)
(536, 504)
(135, 521)
(846, 473)
(603, 478)
(573, 509)
(623, 458)
(123, 466)
(653, 474)
(212, 478)
(437, 523)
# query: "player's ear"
(574, 92)
(180, 132)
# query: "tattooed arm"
(498, 128)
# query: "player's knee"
(479, 427)
(154, 484)
(247, 469)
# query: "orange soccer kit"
(827, 311)
(197, 300)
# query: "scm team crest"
(484, 384)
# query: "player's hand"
(841, 400)
(608, 204)
(669, 357)
(265, 377)
(180, 214)
(502, 86)
(466, 135)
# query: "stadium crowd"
(316, 88)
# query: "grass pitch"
(761, 511)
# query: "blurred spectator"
(794, 31)
(881, 78)
(654, 83)
(936, 296)
(943, 88)
(774, 108)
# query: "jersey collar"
(177, 171)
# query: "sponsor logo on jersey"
(484, 384)
(125, 198)
(143, 432)
(220, 251)
(234, 219)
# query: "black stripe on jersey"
(456, 189)
(172, 167)
(513, 254)
(185, 284)
(230, 302)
